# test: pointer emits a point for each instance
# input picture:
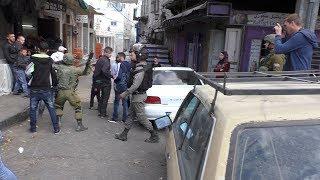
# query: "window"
(195, 143)
(183, 118)
(155, 6)
(174, 77)
(145, 8)
(287, 152)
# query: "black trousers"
(95, 92)
(105, 90)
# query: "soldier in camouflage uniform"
(67, 77)
(272, 62)
(138, 56)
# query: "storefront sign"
(257, 18)
(219, 9)
(254, 54)
(82, 19)
(266, 19)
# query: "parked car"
(251, 137)
(170, 87)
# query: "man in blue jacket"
(121, 85)
(298, 45)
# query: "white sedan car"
(170, 86)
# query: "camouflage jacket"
(273, 62)
(67, 75)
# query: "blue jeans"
(116, 107)
(21, 81)
(47, 96)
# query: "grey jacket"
(137, 80)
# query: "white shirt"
(115, 69)
(57, 56)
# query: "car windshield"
(175, 77)
(286, 153)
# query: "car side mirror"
(163, 122)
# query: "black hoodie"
(41, 74)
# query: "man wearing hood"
(298, 45)
(43, 78)
(67, 80)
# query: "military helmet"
(140, 51)
(270, 38)
(68, 59)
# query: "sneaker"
(91, 107)
(56, 132)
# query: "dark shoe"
(102, 116)
(123, 136)
(16, 93)
(154, 138)
(33, 130)
(80, 126)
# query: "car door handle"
(168, 156)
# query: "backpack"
(147, 78)
(122, 84)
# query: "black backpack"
(147, 78)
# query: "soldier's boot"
(80, 126)
(123, 136)
(154, 138)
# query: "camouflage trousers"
(72, 97)
(137, 112)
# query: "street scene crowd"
(50, 78)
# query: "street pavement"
(93, 154)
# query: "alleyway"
(93, 154)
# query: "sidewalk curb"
(20, 117)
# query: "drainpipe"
(308, 11)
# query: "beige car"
(245, 137)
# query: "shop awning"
(201, 12)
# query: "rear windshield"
(175, 77)
(286, 153)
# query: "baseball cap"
(61, 48)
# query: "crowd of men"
(53, 79)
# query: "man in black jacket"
(8, 49)
(42, 80)
(102, 77)
(10, 53)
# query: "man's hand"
(122, 96)
(278, 29)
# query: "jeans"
(116, 107)
(13, 74)
(21, 81)
(48, 99)
(95, 92)
(105, 90)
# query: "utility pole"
(308, 11)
